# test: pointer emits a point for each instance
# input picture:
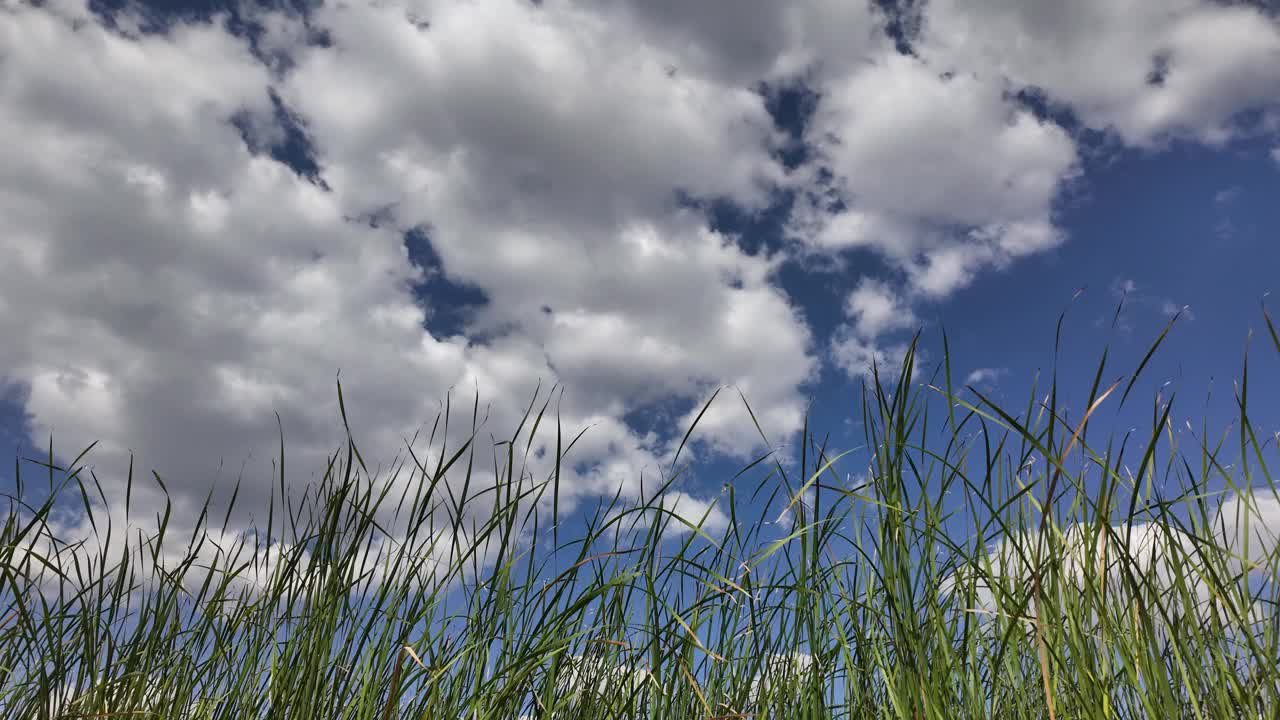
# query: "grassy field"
(989, 562)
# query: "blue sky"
(640, 201)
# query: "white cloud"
(940, 175)
(1275, 154)
(861, 358)
(168, 290)
(743, 41)
(943, 177)
(1246, 527)
(985, 376)
(591, 128)
(936, 167)
(251, 559)
(949, 151)
(875, 308)
(700, 513)
(1150, 69)
(679, 511)
(554, 188)
(781, 677)
(595, 680)
(1249, 525)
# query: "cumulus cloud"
(863, 358)
(875, 308)
(1147, 547)
(948, 152)
(593, 679)
(985, 376)
(1249, 526)
(171, 286)
(555, 190)
(117, 536)
(678, 513)
(940, 174)
(742, 43)
(781, 677)
(63, 700)
(1148, 70)
(975, 173)
(1242, 535)
(703, 514)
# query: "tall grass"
(989, 563)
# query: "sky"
(209, 210)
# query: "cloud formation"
(984, 376)
(1150, 70)
(204, 285)
(1135, 560)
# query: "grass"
(991, 564)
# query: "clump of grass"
(960, 579)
